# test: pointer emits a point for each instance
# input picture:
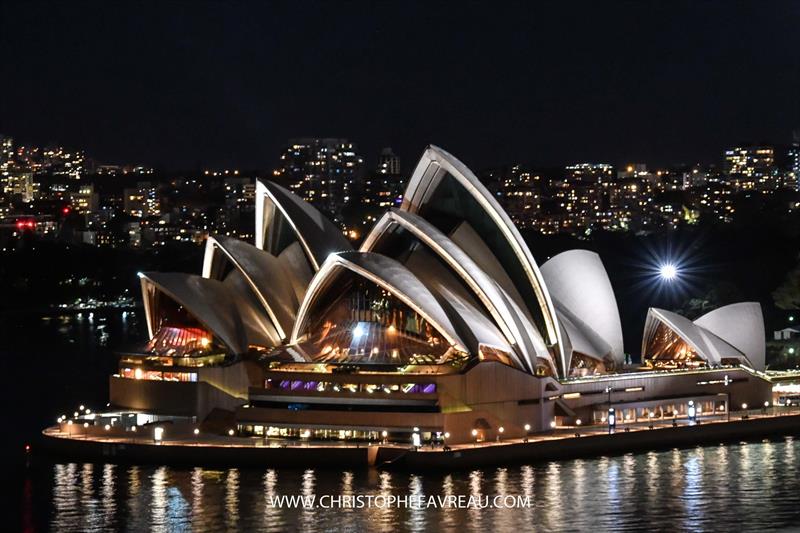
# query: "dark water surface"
(56, 364)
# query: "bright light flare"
(668, 271)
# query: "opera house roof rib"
(730, 334)
(446, 193)
(519, 337)
(226, 257)
(283, 217)
(586, 307)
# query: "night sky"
(185, 85)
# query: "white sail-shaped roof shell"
(318, 236)
(580, 338)
(706, 344)
(579, 284)
(207, 300)
(519, 333)
(261, 270)
(742, 326)
(434, 166)
(391, 276)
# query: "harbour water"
(745, 486)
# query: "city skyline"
(627, 82)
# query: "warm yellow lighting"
(196, 431)
(474, 432)
(528, 426)
(230, 432)
(137, 374)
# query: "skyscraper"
(388, 162)
(324, 172)
(751, 167)
(793, 174)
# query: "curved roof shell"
(705, 343)
(491, 222)
(578, 283)
(260, 270)
(317, 235)
(519, 333)
(742, 326)
(207, 300)
(392, 276)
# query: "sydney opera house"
(440, 321)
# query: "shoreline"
(232, 453)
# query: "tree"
(787, 295)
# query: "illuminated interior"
(156, 375)
(175, 341)
(668, 350)
(356, 321)
(583, 365)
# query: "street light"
(500, 431)
(158, 434)
(475, 436)
(612, 419)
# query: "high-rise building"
(518, 190)
(240, 192)
(142, 201)
(751, 167)
(6, 149)
(793, 170)
(388, 162)
(324, 172)
(20, 185)
(6, 155)
(85, 199)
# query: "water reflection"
(743, 486)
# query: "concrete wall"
(743, 387)
(169, 397)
